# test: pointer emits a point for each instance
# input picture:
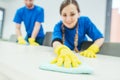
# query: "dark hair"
(67, 2)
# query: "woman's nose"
(68, 18)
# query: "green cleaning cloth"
(82, 69)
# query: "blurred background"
(104, 13)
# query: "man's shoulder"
(39, 8)
(20, 10)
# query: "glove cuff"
(58, 49)
(20, 38)
(94, 48)
(31, 40)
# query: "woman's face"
(70, 15)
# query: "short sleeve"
(18, 17)
(92, 30)
(40, 16)
(57, 33)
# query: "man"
(32, 16)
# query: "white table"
(21, 62)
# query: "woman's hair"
(67, 2)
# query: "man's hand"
(32, 42)
(21, 40)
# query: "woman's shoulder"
(82, 18)
(59, 23)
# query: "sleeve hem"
(57, 39)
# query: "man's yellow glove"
(65, 57)
(21, 40)
(90, 52)
(32, 42)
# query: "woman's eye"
(72, 14)
(64, 15)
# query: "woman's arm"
(99, 42)
(56, 43)
(93, 49)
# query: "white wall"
(9, 26)
(95, 9)
(2, 4)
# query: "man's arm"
(36, 30)
(18, 30)
(34, 34)
(19, 34)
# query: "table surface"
(21, 62)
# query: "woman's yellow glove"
(32, 42)
(21, 40)
(90, 52)
(65, 57)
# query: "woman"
(69, 34)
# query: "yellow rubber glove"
(21, 40)
(65, 57)
(32, 42)
(90, 52)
